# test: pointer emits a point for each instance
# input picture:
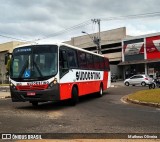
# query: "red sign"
(153, 47)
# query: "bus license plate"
(31, 93)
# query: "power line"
(12, 38)
(136, 16)
(54, 34)
(66, 30)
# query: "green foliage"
(152, 95)
(8, 65)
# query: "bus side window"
(96, 62)
(90, 62)
(102, 63)
(72, 59)
(106, 62)
(63, 63)
(82, 59)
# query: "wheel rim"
(143, 83)
(127, 84)
(101, 91)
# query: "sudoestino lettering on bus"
(81, 75)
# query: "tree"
(8, 66)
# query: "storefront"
(141, 55)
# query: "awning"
(138, 62)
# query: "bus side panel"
(105, 80)
(84, 88)
(88, 87)
(65, 91)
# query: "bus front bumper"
(51, 94)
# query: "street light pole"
(88, 35)
(99, 43)
(96, 40)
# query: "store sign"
(153, 47)
(133, 49)
(151, 71)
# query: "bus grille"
(32, 87)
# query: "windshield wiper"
(23, 69)
(38, 68)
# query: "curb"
(4, 94)
(5, 97)
(141, 102)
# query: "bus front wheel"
(34, 103)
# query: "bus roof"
(59, 44)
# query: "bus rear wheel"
(74, 100)
(100, 93)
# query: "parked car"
(141, 79)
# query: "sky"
(31, 20)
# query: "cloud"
(38, 18)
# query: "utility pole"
(97, 40)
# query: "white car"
(138, 79)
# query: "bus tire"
(100, 93)
(34, 103)
(74, 100)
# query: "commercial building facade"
(141, 54)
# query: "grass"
(4, 84)
(152, 96)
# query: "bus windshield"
(34, 62)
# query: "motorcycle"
(154, 84)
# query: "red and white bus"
(54, 72)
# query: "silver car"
(138, 79)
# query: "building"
(141, 54)
(127, 55)
(5, 48)
(111, 45)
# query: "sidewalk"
(4, 92)
(4, 95)
(117, 84)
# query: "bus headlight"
(12, 86)
(52, 83)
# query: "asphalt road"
(91, 115)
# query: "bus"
(55, 72)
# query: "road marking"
(158, 109)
